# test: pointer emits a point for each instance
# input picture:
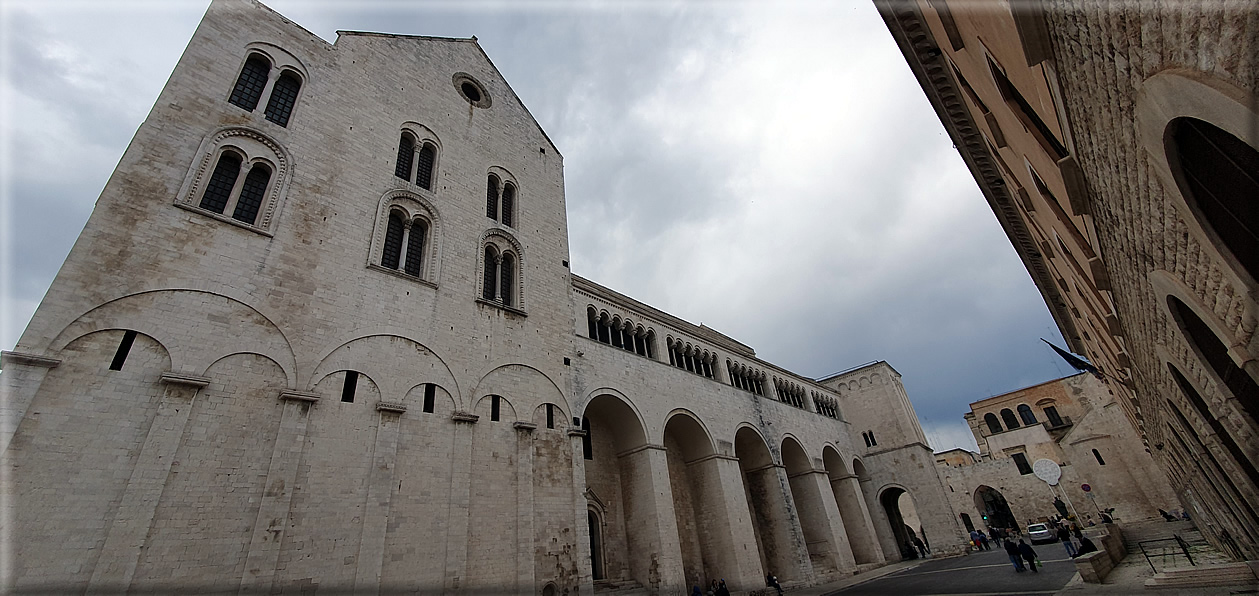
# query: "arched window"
(1025, 412)
(283, 98)
(416, 235)
(509, 201)
(507, 275)
(491, 197)
(1215, 354)
(592, 320)
(1222, 434)
(223, 189)
(252, 193)
(489, 289)
(500, 200)
(1098, 456)
(406, 153)
(251, 82)
(222, 181)
(392, 255)
(1218, 175)
(425, 161)
(994, 426)
(1007, 416)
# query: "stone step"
(619, 587)
(1228, 574)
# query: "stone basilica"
(320, 334)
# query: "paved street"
(987, 572)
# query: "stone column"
(820, 519)
(857, 522)
(654, 549)
(120, 553)
(526, 555)
(727, 523)
(371, 547)
(23, 374)
(277, 496)
(781, 535)
(460, 497)
(585, 576)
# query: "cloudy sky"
(771, 170)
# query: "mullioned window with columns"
(620, 333)
(406, 238)
(240, 176)
(825, 405)
(270, 72)
(417, 160)
(501, 194)
(691, 358)
(746, 378)
(501, 279)
(789, 393)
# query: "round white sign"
(1047, 470)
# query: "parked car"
(1041, 534)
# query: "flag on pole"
(1076, 362)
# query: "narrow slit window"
(873, 442)
(430, 394)
(424, 177)
(509, 202)
(222, 181)
(415, 248)
(491, 197)
(508, 283)
(494, 408)
(550, 416)
(406, 152)
(1098, 456)
(490, 280)
(283, 98)
(249, 85)
(252, 193)
(865, 438)
(351, 384)
(393, 242)
(587, 452)
(124, 348)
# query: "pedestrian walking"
(922, 548)
(1065, 536)
(722, 590)
(983, 540)
(1015, 557)
(1029, 555)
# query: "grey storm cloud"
(774, 172)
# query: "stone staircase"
(1224, 574)
(619, 587)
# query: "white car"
(1039, 533)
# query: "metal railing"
(1166, 554)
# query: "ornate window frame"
(281, 62)
(413, 207)
(505, 178)
(255, 147)
(503, 241)
(1176, 93)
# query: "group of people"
(718, 588)
(1024, 557)
(1073, 540)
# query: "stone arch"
(900, 513)
(852, 508)
(1173, 94)
(483, 408)
(444, 403)
(102, 417)
(993, 508)
(524, 386)
(395, 362)
(619, 470)
(197, 327)
(557, 416)
(773, 520)
(703, 538)
(816, 509)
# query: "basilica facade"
(320, 333)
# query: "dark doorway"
(994, 508)
(596, 545)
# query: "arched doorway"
(994, 509)
(767, 505)
(596, 545)
(852, 508)
(892, 506)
